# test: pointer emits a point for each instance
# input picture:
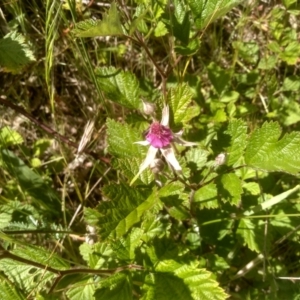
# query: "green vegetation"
(86, 212)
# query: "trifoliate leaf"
(125, 208)
(266, 151)
(119, 86)
(179, 99)
(109, 25)
(206, 12)
(14, 52)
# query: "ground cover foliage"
(81, 217)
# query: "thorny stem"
(4, 254)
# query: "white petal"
(177, 139)
(146, 163)
(143, 143)
(165, 116)
(169, 155)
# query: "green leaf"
(175, 281)
(83, 289)
(115, 287)
(180, 22)
(120, 87)
(179, 99)
(207, 196)
(9, 137)
(252, 234)
(206, 11)
(197, 156)
(10, 292)
(291, 83)
(14, 52)
(218, 77)
(30, 181)
(109, 25)
(121, 138)
(160, 29)
(125, 209)
(265, 151)
(230, 188)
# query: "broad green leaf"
(9, 137)
(218, 77)
(252, 187)
(9, 292)
(237, 130)
(14, 52)
(175, 281)
(206, 196)
(267, 152)
(30, 181)
(252, 234)
(83, 289)
(206, 11)
(5, 215)
(121, 140)
(230, 188)
(179, 99)
(119, 86)
(125, 208)
(291, 83)
(115, 287)
(130, 167)
(160, 29)
(109, 25)
(153, 226)
(197, 156)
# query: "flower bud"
(149, 108)
(220, 159)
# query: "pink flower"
(160, 138)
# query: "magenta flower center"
(159, 136)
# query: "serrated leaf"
(252, 234)
(179, 99)
(115, 287)
(291, 83)
(230, 188)
(267, 152)
(178, 281)
(218, 77)
(121, 138)
(206, 196)
(10, 292)
(9, 137)
(109, 25)
(237, 130)
(125, 209)
(197, 156)
(130, 167)
(83, 289)
(14, 52)
(160, 29)
(252, 188)
(206, 11)
(119, 86)
(30, 181)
